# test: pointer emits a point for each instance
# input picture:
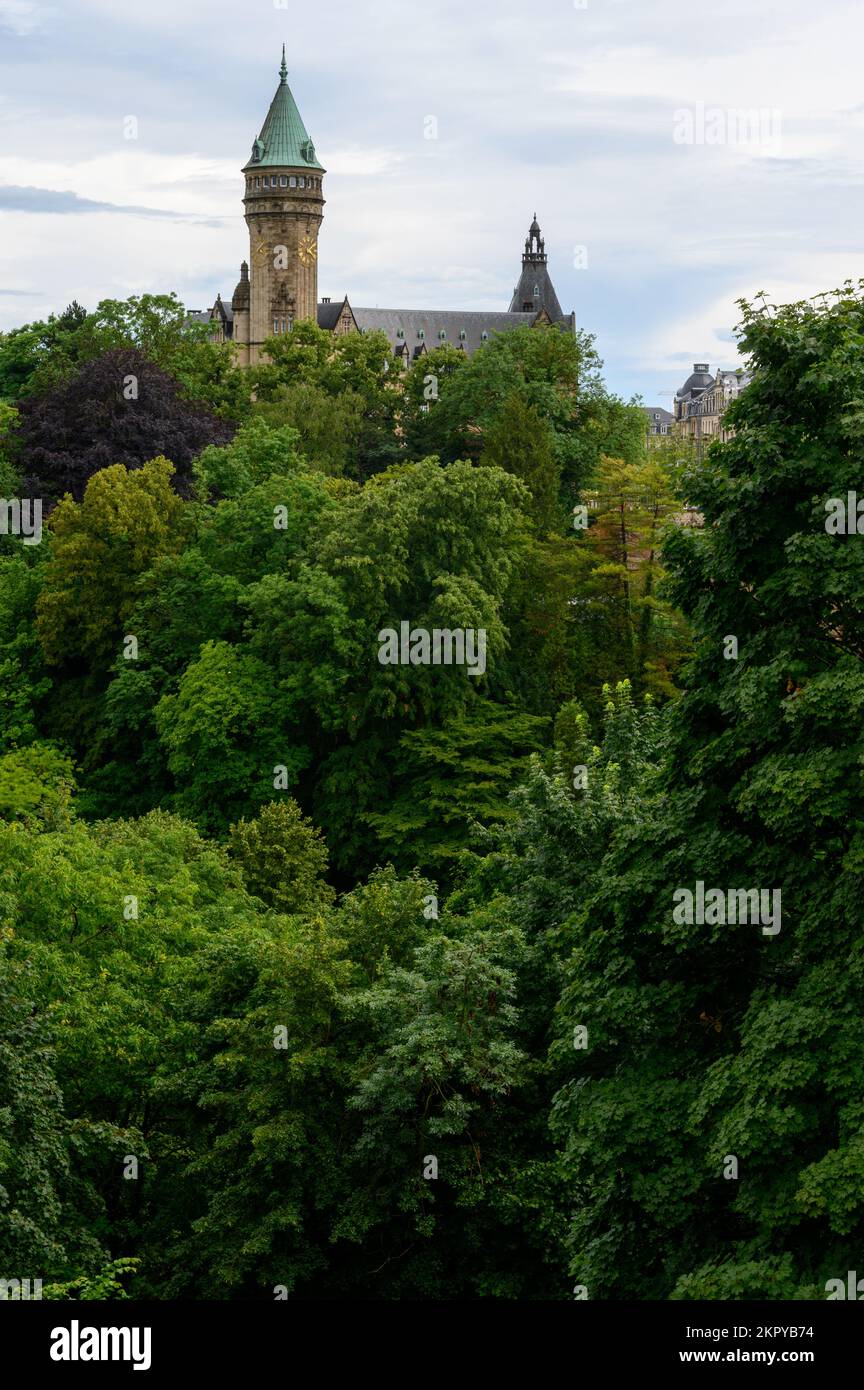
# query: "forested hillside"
(326, 976)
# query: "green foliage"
(283, 858)
(520, 442)
(37, 780)
(711, 1041)
(310, 935)
(40, 356)
(100, 547)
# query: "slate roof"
(658, 415)
(283, 141)
(329, 313)
(697, 380)
(432, 322)
(536, 274)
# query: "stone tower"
(284, 206)
(535, 292)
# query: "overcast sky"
(617, 121)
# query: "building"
(278, 285)
(659, 421)
(702, 401)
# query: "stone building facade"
(701, 403)
(278, 285)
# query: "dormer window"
(442, 333)
(400, 332)
(484, 336)
(462, 335)
(421, 333)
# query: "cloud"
(567, 110)
(23, 17)
(19, 199)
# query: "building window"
(302, 181)
(258, 182)
(462, 335)
(484, 335)
(275, 325)
(292, 182)
(400, 332)
(421, 333)
(283, 180)
(442, 333)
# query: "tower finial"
(283, 71)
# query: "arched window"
(292, 182)
(283, 180)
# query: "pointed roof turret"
(284, 140)
(535, 290)
(240, 297)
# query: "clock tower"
(284, 206)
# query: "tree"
(720, 1086)
(283, 857)
(451, 780)
(118, 408)
(357, 370)
(227, 736)
(100, 547)
(629, 506)
(520, 442)
(26, 351)
(556, 373)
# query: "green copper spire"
(283, 141)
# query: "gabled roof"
(330, 312)
(283, 140)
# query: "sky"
(678, 158)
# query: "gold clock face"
(307, 250)
(261, 251)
